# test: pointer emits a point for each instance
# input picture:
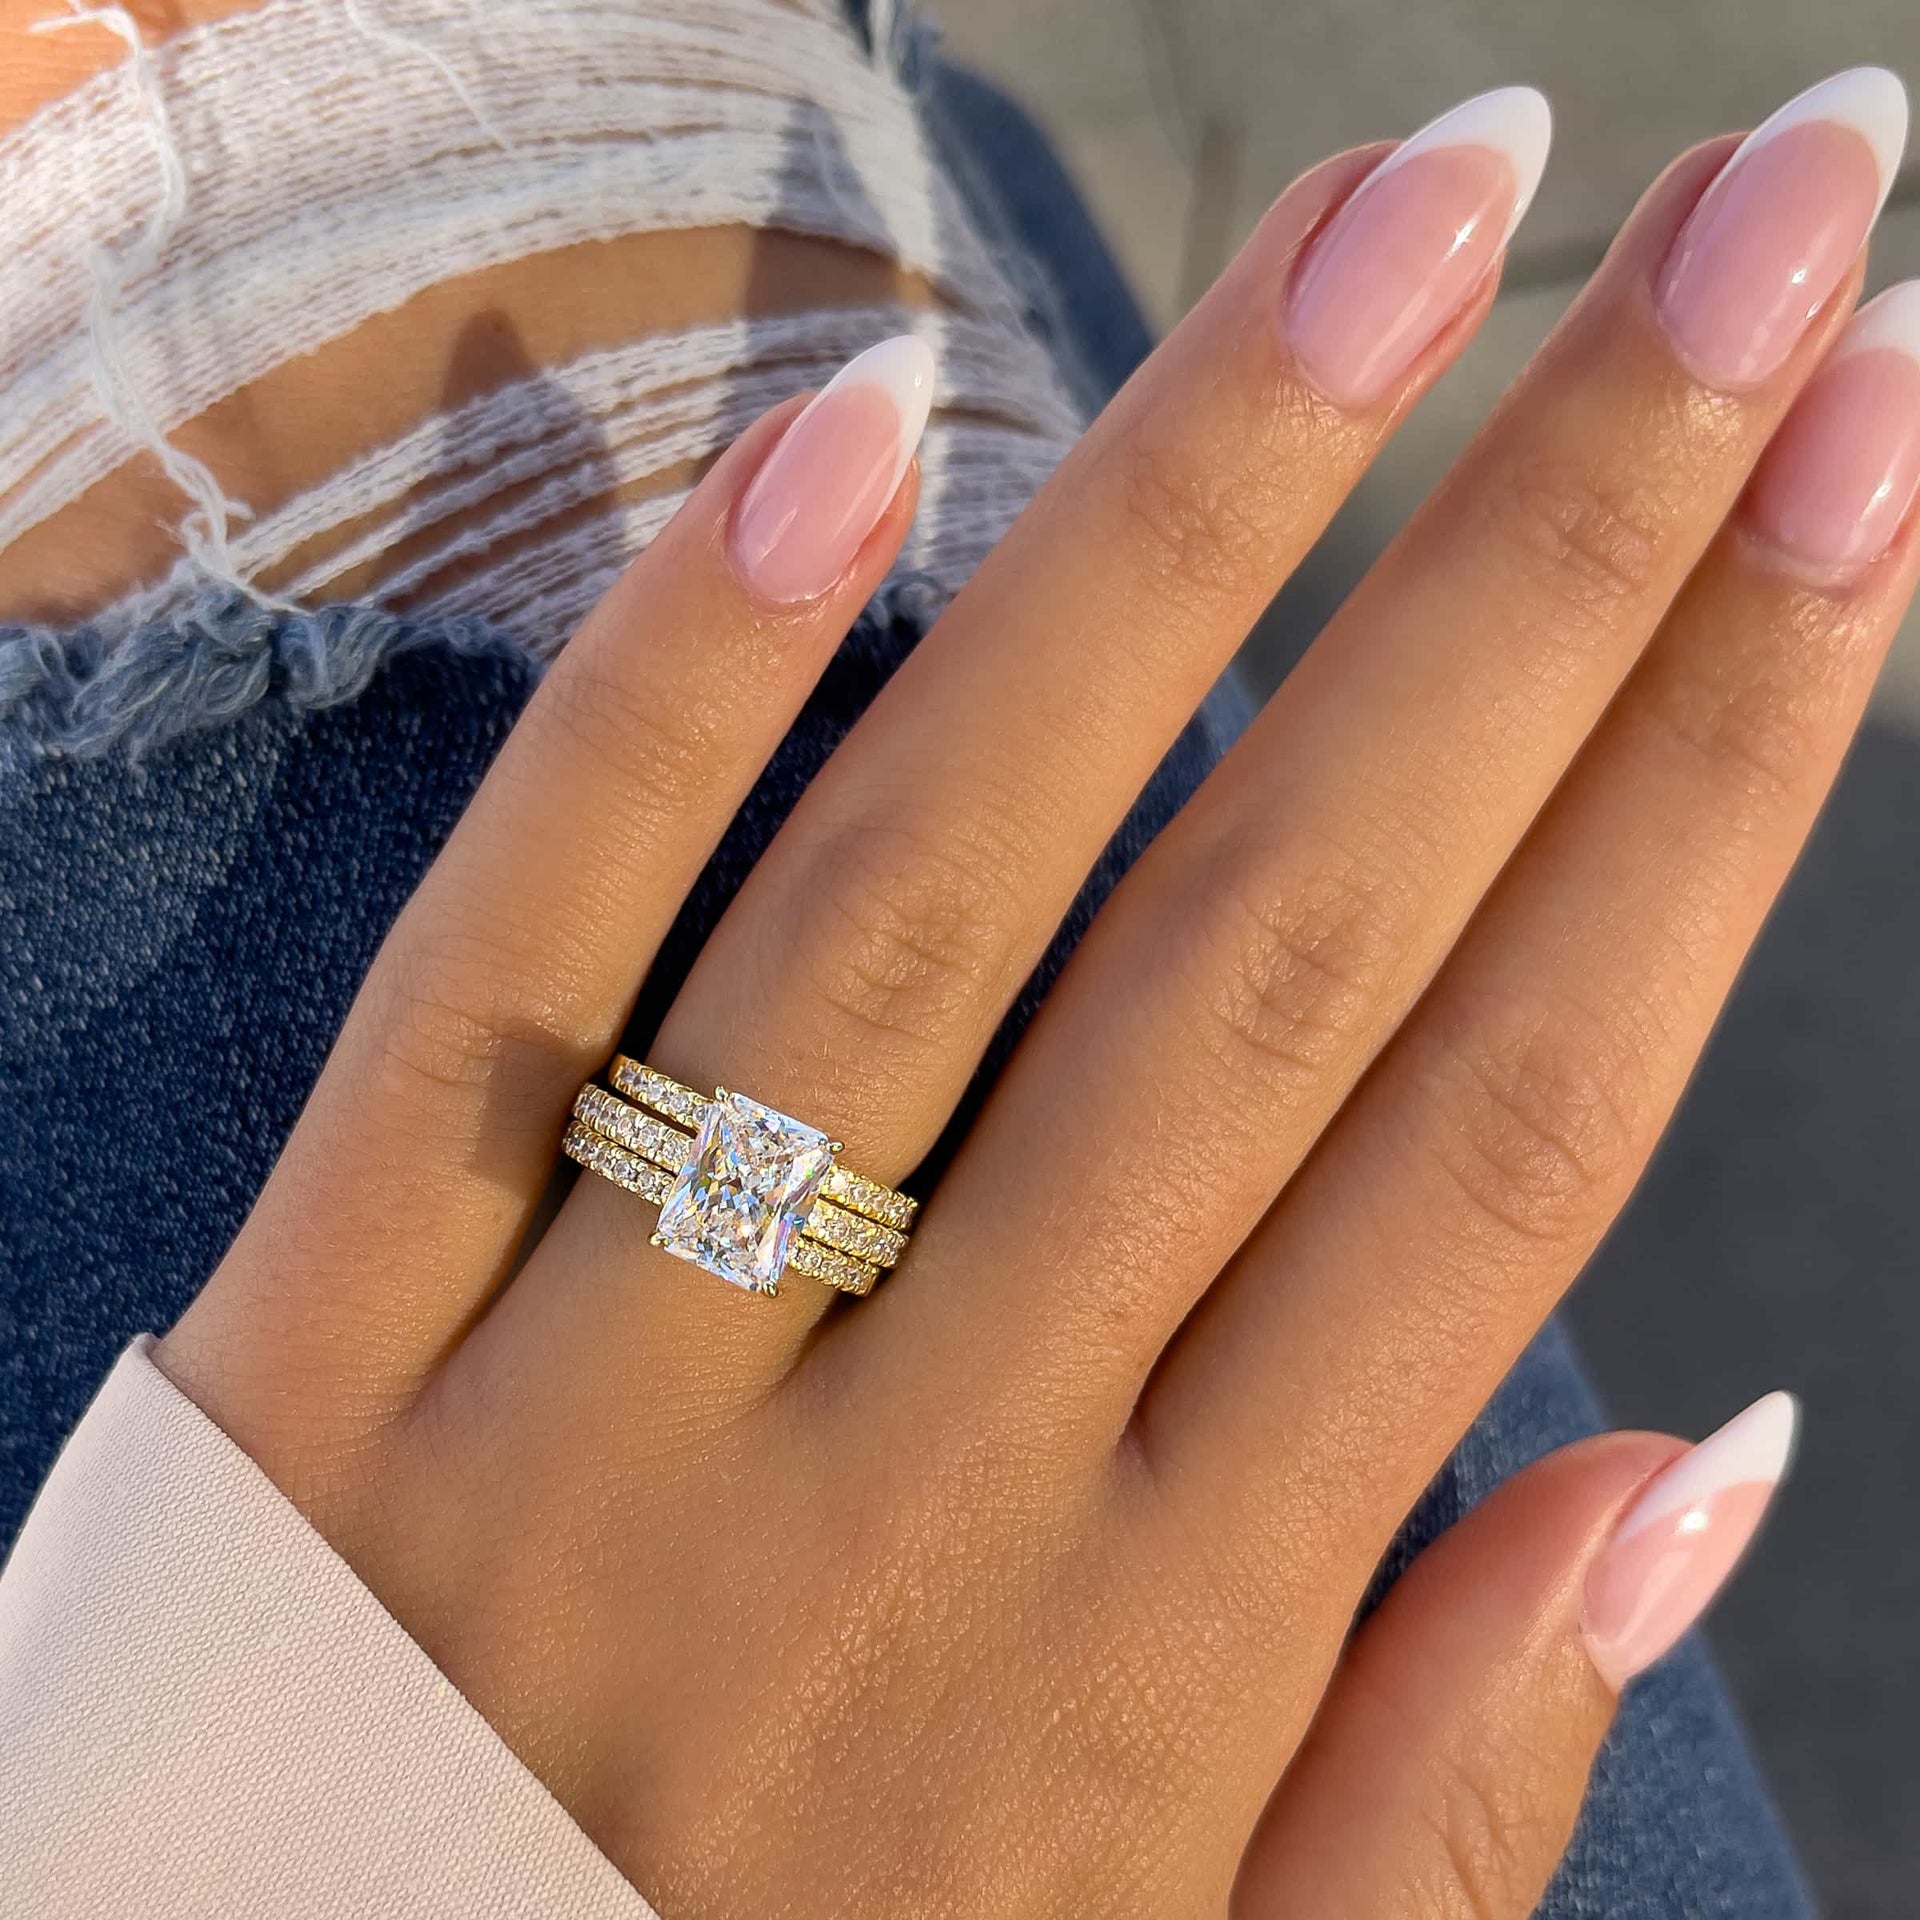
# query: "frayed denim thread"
(82, 693)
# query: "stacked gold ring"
(744, 1191)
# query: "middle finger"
(1267, 946)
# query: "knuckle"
(1197, 538)
(1757, 739)
(442, 1035)
(651, 754)
(433, 1039)
(1294, 970)
(1588, 540)
(1544, 1122)
(913, 938)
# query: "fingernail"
(829, 478)
(1776, 231)
(1414, 239)
(1683, 1537)
(1839, 477)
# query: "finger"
(1260, 955)
(857, 978)
(1446, 1768)
(508, 976)
(1475, 1170)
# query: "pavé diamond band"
(744, 1191)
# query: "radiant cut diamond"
(745, 1192)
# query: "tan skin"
(1024, 1586)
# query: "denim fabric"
(182, 928)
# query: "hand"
(1024, 1586)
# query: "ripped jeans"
(211, 810)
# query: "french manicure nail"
(1413, 240)
(830, 476)
(1839, 477)
(1776, 231)
(1682, 1538)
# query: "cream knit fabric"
(243, 192)
(205, 1716)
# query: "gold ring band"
(744, 1191)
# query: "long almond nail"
(1683, 1537)
(822, 490)
(1776, 231)
(1413, 241)
(1839, 477)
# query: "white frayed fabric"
(205, 1716)
(241, 194)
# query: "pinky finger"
(1447, 1766)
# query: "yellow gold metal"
(836, 1269)
(861, 1195)
(655, 1090)
(638, 1132)
(855, 1234)
(599, 1154)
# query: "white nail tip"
(1889, 320)
(1514, 121)
(1870, 100)
(903, 368)
(1753, 1448)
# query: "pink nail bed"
(1412, 242)
(1840, 476)
(1775, 233)
(1683, 1537)
(822, 489)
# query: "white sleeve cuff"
(204, 1714)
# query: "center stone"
(745, 1192)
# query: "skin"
(1024, 1587)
